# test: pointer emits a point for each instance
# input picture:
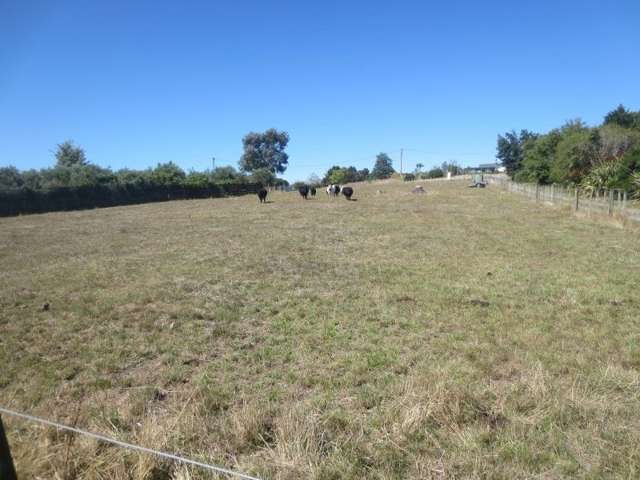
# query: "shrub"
(435, 173)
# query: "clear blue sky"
(137, 83)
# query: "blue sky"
(137, 83)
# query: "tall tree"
(451, 166)
(383, 168)
(314, 180)
(265, 151)
(620, 116)
(68, 155)
(510, 149)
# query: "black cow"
(347, 192)
(313, 191)
(304, 191)
(262, 195)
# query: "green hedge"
(24, 200)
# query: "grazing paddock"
(464, 333)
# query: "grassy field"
(459, 334)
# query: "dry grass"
(459, 334)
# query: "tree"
(537, 158)
(265, 151)
(435, 173)
(314, 180)
(383, 168)
(419, 167)
(10, 177)
(32, 179)
(510, 149)
(68, 155)
(620, 116)
(363, 175)
(338, 176)
(264, 177)
(196, 179)
(573, 156)
(168, 174)
(331, 174)
(612, 142)
(126, 176)
(226, 174)
(451, 166)
(341, 175)
(90, 175)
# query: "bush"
(435, 173)
(409, 177)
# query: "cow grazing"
(262, 195)
(313, 191)
(304, 191)
(347, 192)
(333, 190)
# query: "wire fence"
(604, 202)
(6, 464)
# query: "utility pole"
(401, 151)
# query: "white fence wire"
(130, 446)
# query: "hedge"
(24, 200)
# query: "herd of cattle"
(305, 190)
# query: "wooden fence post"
(7, 470)
(576, 202)
(624, 200)
(610, 202)
(553, 193)
(537, 192)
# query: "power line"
(129, 446)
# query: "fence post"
(610, 202)
(624, 200)
(553, 193)
(7, 470)
(575, 207)
(537, 192)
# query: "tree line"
(382, 169)
(75, 183)
(605, 156)
(262, 159)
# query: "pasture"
(464, 333)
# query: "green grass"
(460, 334)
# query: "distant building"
(490, 168)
